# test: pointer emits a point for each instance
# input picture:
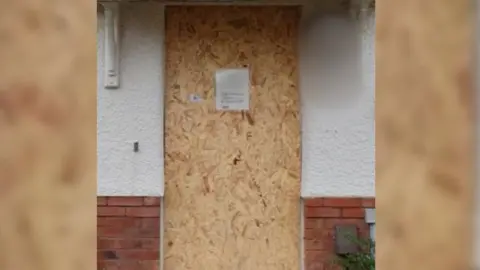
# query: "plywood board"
(232, 179)
(47, 135)
(424, 139)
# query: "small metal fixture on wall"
(112, 44)
(370, 220)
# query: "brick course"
(128, 231)
(321, 217)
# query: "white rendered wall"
(337, 59)
(134, 112)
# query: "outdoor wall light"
(370, 220)
(112, 45)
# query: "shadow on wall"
(337, 88)
(331, 67)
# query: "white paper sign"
(232, 89)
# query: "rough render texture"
(337, 58)
(321, 216)
(134, 112)
(128, 233)
(337, 115)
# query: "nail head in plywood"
(232, 179)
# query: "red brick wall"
(321, 216)
(128, 230)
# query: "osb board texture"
(47, 134)
(424, 141)
(232, 179)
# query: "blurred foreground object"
(47, 135)
(424, 134)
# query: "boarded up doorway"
(232, 180)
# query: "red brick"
(138, 254)
(107, 265)
(312, 234)
(101, 201)
(107, 255)
(137, 265)
(144, 211)
(316, 244)
(145, 243)
(128, 265)
(150, 223)
(150, 243)
(332, 222)
(111, 231)
(107, 243)
(311, 212)
(123, 265)
(364, 231)
(128, 236)
(353, 212)
(318, 234)
(317, 259)
(116, 221)
(315, 265)
(148, 232)
(117, 243)
(100, 264)
(147, 265)
(342, 202)
(130, 243)
(125, 201)
(314, 255)
(151, 201)
(368, 202)
(108, 211)
(313, 202)
(313, 223)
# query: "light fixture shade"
(112, 45)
